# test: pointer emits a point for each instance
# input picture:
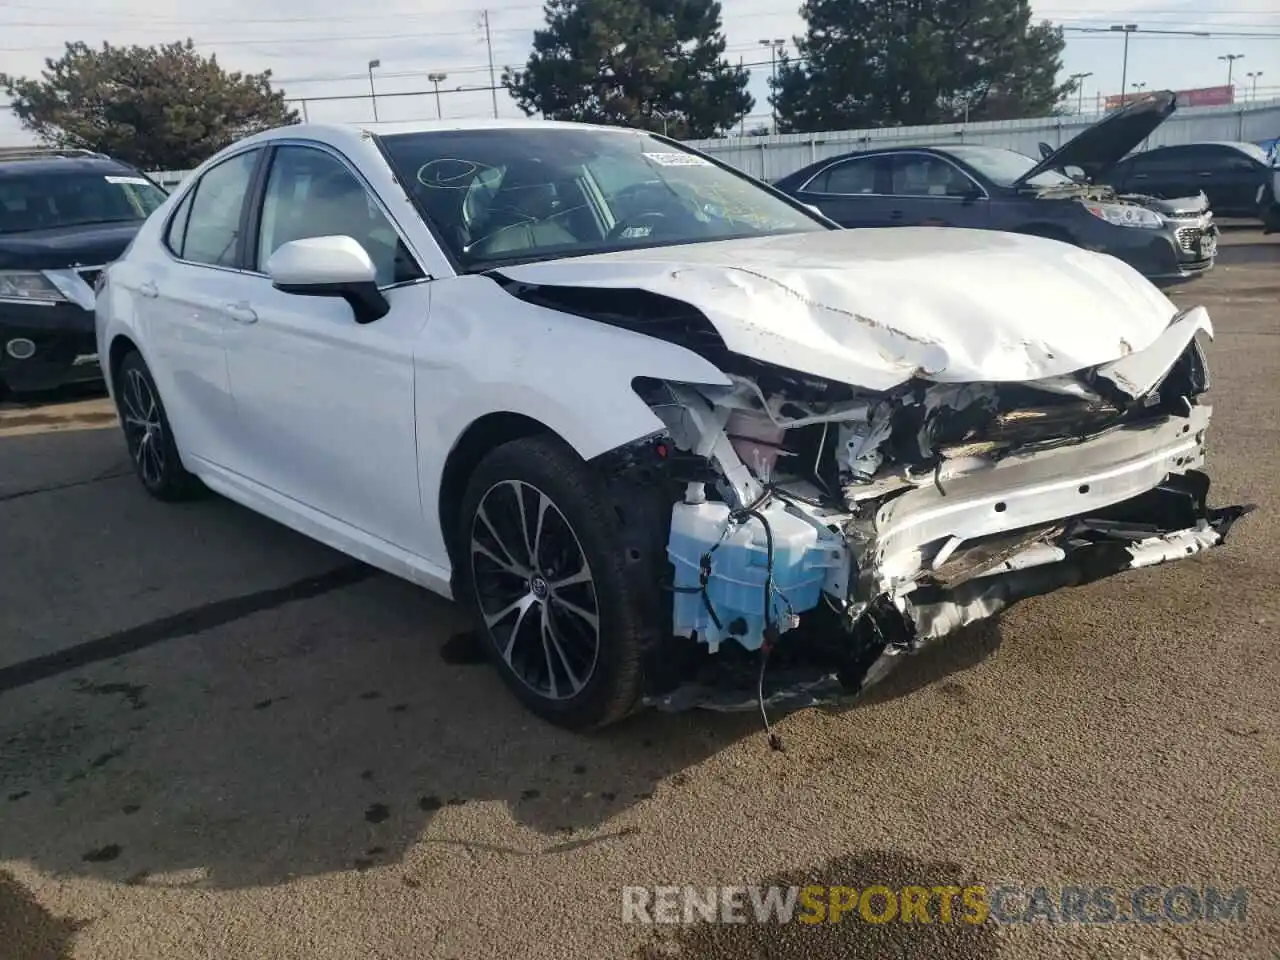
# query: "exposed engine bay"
(1193, 210)
(832, 529)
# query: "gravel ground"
(218, 739)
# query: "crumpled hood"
(874, 308)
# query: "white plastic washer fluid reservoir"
(739, 562)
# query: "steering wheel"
(622, 226)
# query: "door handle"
(895, 215)
(1206, 174)
(241, 313)
(148, 289)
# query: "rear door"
(183, 299)
(851, 192)
(931, 191)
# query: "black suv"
(64, 215)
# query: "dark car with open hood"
(64, 215)
(1060, 196)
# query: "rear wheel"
(542, 571)
(147, 433)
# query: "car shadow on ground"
(1242, 254)
(319, 724)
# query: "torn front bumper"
(963, 547)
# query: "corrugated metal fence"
(775, 156)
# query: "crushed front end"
(827, 530)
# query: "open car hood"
(1100, 147)
(875, 308)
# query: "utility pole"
(1253, 75)
(493, 79)
(1231, 59)
(774, 47)
(436, 79)
(742, 123)
(373, 94)
(1126, 29)
(1078, 77)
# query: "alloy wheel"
(143, 428)
(535, 589)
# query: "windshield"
(47, 201)
(498, 195)
(1003, 167)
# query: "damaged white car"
(658, 426)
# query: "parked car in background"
(1229, 174)
(656, 425)
(64, 215)
(991, 188)
(1269, 202)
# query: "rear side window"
(849, 178)
(213, 223)
(176, 235)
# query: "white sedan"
(650, 420)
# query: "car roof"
(346, 132)
(31, 165)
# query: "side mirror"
(330, 267)
(1046, 151)
(972, 195)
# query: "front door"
(928, 191)
(326, 404)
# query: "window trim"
(259, 196)
(872, 158)
(890, 155)
(192, 192)
(837, 161)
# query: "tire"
(148, 436)
(592, 687)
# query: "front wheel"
(542, 570)
(147, 433)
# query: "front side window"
(213, 225)
(311, 193)
(500, 195)
(52, 200)
(921, 175)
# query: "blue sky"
(319, 48)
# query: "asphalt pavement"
(221, 740)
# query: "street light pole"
(436, 79)
(1078, 77)
(774, 47)
(1126, 29)
(373, 94)
(1253, 75)
(1231, 59)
